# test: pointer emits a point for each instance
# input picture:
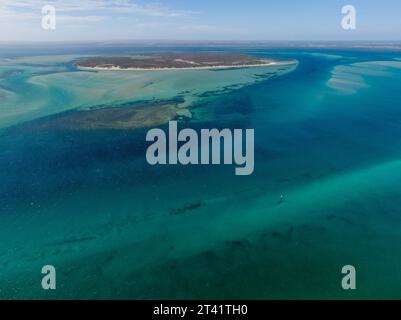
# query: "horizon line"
(197, 41)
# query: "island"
(174, 61)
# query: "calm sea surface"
(327, 138)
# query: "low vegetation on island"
(190, 60)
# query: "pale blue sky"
(116, 20)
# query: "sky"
(124, 20)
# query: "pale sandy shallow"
(185, 68)
(83, 89)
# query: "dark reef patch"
(186, 209)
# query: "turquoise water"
(326, 137)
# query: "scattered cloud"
(78, 19)
(106, 19)
(84, 10)
(206, 28)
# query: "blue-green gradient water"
(327, 137)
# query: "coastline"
(116, 68)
